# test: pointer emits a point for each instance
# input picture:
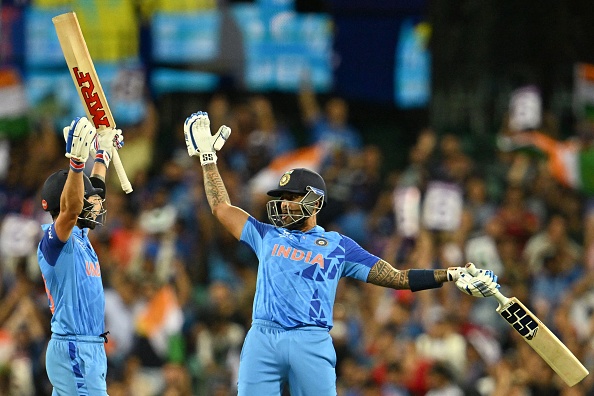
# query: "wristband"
(422, 280)
(208, 158)
(76, 166)
(103, 157)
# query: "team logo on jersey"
(285, 178)
(321, 242)
(298, 255)
(93, 269)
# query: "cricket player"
(300, 265)
(76, 363)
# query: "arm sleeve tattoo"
(216, 193)
(383, 274)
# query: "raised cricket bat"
(87, 82)
(540, 338)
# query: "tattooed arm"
(232, 217)
(383, 274)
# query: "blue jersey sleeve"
(253, 234)
(50, 245)
(358, 261)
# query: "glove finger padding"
(221, 137)
(191, 144)
(484, 284)
(79, 138)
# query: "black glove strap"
(98, 183)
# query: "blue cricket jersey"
(298, 272)
(72, 278)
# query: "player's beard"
(86, 224)
(298, 225)
(289, 218)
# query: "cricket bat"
(540, 338)
(87, 82)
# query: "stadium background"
(428, 88)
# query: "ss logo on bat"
(521, 321)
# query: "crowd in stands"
(179, 288)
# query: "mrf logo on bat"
(87, 88)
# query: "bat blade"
(542, 340)
(86, 81)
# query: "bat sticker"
(524, 324)
(91, 98)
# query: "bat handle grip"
(117, 163)
(501, 299)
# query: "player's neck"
(309, 224)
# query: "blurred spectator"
(140, 148)
(514, 219)
(559, 271)
(553, 238)
(417, 171)
(269, 139)
(441, 342)
(122, 304)
(352, 378)
(330, 128)
(452, 163)
(217, 337)
(442, 382)
(478, 208)
(177, 380)
(23, 336)
(219, 110)
(395, 380)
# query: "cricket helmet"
(52, 191)
(299, 181)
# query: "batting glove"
(478, 282)
(105, 143)
(454, 273)
(79, 137)
(200, 141)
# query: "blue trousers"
(77, 365)
(272, 356)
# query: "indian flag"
(568, 162)
(309, 157)
(161, 320)
(13, 105)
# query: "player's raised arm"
(482, 284)
(103, 149)
(201, 143)
(79, 136)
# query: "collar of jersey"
(315, 229)
(78, 231)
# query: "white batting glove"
(478, 282)
(200, 141)
(104, 144)
(79, 137)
